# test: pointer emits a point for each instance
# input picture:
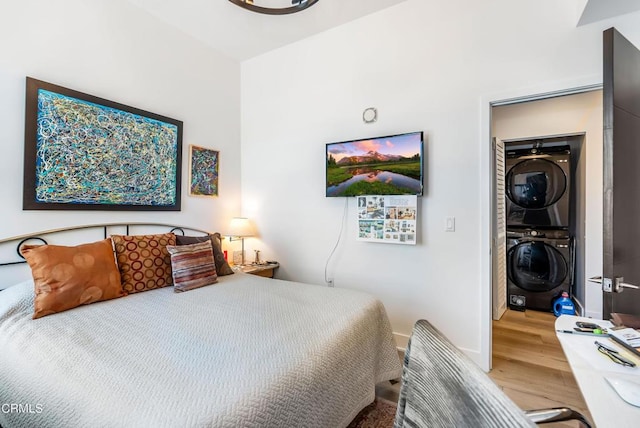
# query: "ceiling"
(597, 10)
(242, 34)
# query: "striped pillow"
(192, 265)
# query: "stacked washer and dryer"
(540, 251)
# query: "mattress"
(246, 352)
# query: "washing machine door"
(535, 183)
(536, 266)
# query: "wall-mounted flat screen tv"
(376, 166)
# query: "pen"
(583, 333)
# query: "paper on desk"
(628, 335)
(600, 362)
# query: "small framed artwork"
(88, 153)
(203, 171)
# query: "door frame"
(487, 102)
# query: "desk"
(590, 367)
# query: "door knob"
(609, 286)
(621, 284)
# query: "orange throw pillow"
(143, 260)
(67, 277)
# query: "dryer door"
(533, 186)
(536, 266)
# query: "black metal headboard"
(39, 236)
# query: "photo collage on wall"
(387, 219)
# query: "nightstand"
(267, 270)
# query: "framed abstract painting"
(88, 153)
(203, 171)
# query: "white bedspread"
(247, 352)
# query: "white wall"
(426, 65)
(113, 50)
(569, 115)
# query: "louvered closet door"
(500, 234)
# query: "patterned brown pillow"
(192, 266)
(222, 267)
(67, 277)
(144, 261)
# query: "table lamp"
(240, 228)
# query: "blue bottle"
(563, 305)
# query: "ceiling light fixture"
(275, 7)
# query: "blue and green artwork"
(87, 153)
(204, 172)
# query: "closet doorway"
(573, 121)
(528, 362)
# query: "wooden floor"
(529, 365)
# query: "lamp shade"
(241, 227)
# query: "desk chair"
(442, 387)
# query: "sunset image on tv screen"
(376, 166)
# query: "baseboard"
(402, 340)
(474, 355)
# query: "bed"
(247, 351)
